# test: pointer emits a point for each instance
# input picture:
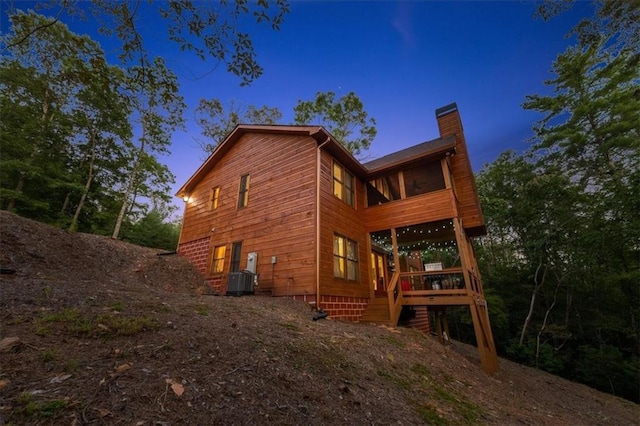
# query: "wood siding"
(279, 219)
(437, 205)
(338, 217)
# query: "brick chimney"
(449, 124)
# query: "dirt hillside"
(97, 331)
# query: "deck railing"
(448, 281)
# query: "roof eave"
(446, 149)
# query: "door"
(236, 251)
(378, 273)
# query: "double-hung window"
(243, 193)
(345, 258)
(217, 265)
(343, 184)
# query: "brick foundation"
(421, 321)
(344, 307)
(197, 251)
(215, 284)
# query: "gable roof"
(319, 133)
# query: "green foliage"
(39, 86)
(153, 231)
(39, 409)
(47, 355)
(217, 121)
(157, 109)
(117, 306)
(67, 154)
(112, 325)
(430, 415)
(65, 315)
(468, 411)
(213, 31)
(344, 118)
(562, 249)
(607, 369)
(546, 360)
(77, 323)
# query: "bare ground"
(97, 331)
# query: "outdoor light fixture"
(185, 198)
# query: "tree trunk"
(19, 187)
(74, 222)
(536, 287)
(544, 322)
(66, 202)
(130, 186)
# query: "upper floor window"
(343, 184)
(217, 265)
(383, 189)
(213, 199)
(243, 194)
(345, 258)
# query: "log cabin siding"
(338, 217)
(428, 207)
(279, 219)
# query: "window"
(218, 259)
(236, 251)
(383, 189)
(213, 199)
(343, 184)
(243, 195)
(345, 258)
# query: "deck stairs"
(386, 310)
(377, 311)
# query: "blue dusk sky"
(403, 59)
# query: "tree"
(562, 218)
(43, 82)
(532, 212)
(102, 125)
(153, 230)
(153, 91)
(342, 118)
(591, 129)
(210, 30)
(217, 121)
(617, 21)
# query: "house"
(384, 241)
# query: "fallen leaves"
(10, 344)
(176, 387)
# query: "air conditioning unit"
(240, 283)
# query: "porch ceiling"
(420, 236)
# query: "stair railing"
(395, 298)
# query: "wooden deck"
(387, 310)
